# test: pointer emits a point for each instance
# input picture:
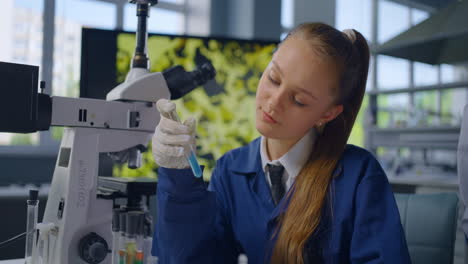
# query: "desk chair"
(462, 166)
(429, 222)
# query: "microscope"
(78, 217)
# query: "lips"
(268, 118)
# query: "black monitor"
(22, 108)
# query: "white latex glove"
(172, 140)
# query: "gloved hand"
(172, 140)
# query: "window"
(287, 14)
(159, 21)
(355, 14)
(21, 43)
(393, 19)
(425, 109)
(18, 19)
(392, 72)
(393, 110)
(453, 102)
(451, 73)
(448, 73)
(425, 74)
(418, 16)
(71, 16)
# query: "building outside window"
(21, 43)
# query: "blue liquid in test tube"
(191, 157)
(192, 160)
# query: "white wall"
(314, 11)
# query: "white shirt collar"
(293, 160)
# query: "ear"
(331, 114)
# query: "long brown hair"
(350, 53)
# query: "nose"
(276, 100)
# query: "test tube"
(148, 239)
(133, 241)
(148, 244)
(191, 157)
(139, 257)
(122, 254)
(122, 240)
(115, 235)
(31, 225)
(45, 244)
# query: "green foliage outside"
(22, 139)
(57, 132)
(446, 106)
(226, 119)
(428, 102)
(383, 117)
(358, 132)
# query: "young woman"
(297, 194)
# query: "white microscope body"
(78, 221)
(93, 127)
(123, 125)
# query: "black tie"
(277, 187)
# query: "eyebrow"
(297, 87)
(277, 66)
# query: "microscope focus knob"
(93, 248)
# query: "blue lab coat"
(236, 214)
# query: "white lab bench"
(12, 261)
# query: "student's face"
(296, 92)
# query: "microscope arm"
(141, 85)
(95, 113)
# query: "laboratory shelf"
(442, 86)
(414, 137)
(425, 181)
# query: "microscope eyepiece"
(181, 82)
(204, 73)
